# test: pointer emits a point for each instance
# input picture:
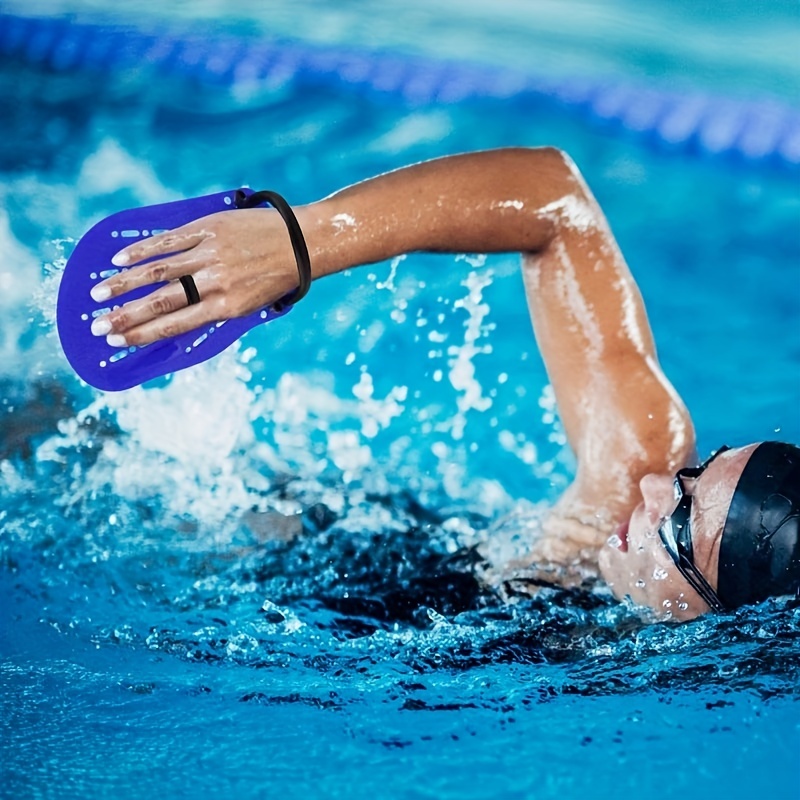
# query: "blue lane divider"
(756, 130)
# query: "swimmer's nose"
(658, 493)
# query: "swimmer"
(672, 536)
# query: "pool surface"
(260, 577)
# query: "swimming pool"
(334, 641)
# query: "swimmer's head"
(718, 536)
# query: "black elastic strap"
(192, 295)
(295, 234)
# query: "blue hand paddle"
(114, 369)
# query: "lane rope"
(764, 131)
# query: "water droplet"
(640, 584)
(659, 574)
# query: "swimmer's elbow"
(561, 163)
(555, 176)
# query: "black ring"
(295, 234)
(192, 295)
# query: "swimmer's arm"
(477, 202)
(621, 416)
(242, 260)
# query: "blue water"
(259, 578)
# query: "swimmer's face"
(638, 566)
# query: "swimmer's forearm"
(483, 202)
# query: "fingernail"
(115, 340)
(100, 293)
(121, 260)
(100, 327)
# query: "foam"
(179, 443)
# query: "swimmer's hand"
(240, 261)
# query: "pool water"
(261, 577)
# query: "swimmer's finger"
(169, 269)
(166, 300)
(165, 327)
(162, 244)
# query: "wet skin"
(628, 427)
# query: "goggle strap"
(699, 583)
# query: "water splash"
(377, 414)
(19, 284)
(462, 368)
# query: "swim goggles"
(675, 533)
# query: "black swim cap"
(760, 550)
